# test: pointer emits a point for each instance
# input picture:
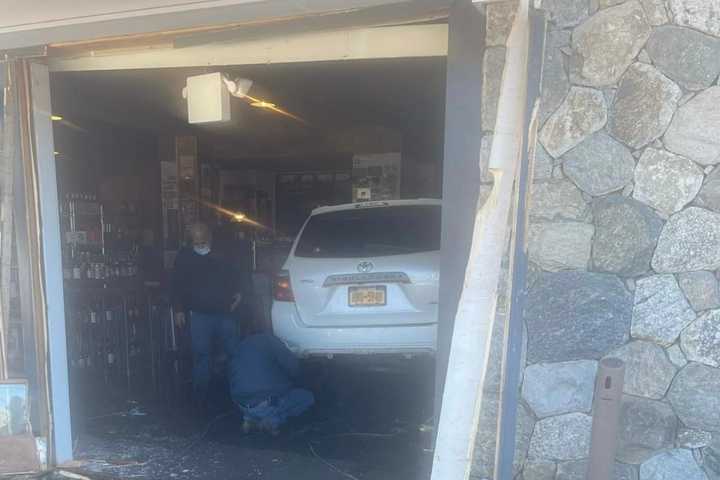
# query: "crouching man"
(262, 370)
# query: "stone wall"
(624, 238)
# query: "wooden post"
(468, 362)
(606, 414)
(8, 146)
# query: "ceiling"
(405, 95)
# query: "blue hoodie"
(261, 366)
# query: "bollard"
(606, 415)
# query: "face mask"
(202, 249)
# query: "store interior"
(133, 174)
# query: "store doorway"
(428, 40)
(124, 155)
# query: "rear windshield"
(371, 232)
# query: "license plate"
(367, 296)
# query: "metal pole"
(608, 399)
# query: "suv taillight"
(282, 290)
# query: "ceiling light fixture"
(55, 118)
(262, 104)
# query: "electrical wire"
(209, 426)
(330, 465)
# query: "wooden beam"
(355, 44)
(8, 142)
(45, 254)
(477, 308)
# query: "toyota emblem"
(365, 267)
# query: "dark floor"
(366, 425)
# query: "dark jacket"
(261, 366)
(205, 283)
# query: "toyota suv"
(362, 278)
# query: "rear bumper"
(304, 340)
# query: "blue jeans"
(275, 411)
(205, 330)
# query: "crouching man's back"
(262, 383)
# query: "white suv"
(362, 278)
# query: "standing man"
(207, 288)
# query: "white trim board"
(353, 44)
(52, 263)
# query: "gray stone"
(672, 465)
(557, 388)
(644, 105)
(558, 39)
(577, 470)
(606, 44)
(710, 458)
(686, 98)
(609, 3)
(701, 289)
(695, 129)
(690, 240)
(703, 15)
(690, 58)
(676, 355)
(582, 113)
(500, 17)
(655, 12)
(645, 426)
(539, 470)
(493, 63)
(557, 201)
(485, 441)
(688, 438)
(661, 311)
(566, 13)
(625, 472)
(557, 246)
(555, 82)
(609, 94)
(565, 437)
(627, 190)
(599, 165)
(695, 396)
(493, 375)
(701, 339)
(626, 233)
(643, 57)
(576, 316)
(543, 164)
(665, 181)
(486, 438)
(525, 425)
(709, 196)
(648, 372)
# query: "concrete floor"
(365, 425)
